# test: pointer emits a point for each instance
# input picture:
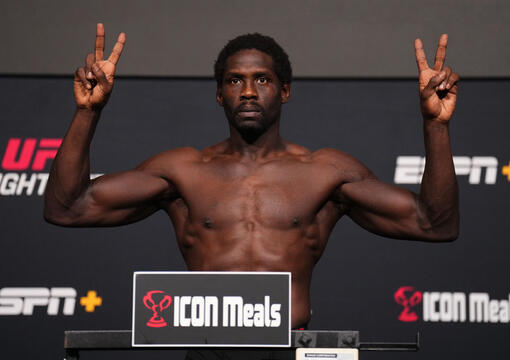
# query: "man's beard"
(250, 133)
(250, 128)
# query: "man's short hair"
(256, 41)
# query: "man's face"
(250, 92)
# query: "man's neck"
(267, 143)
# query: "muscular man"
(256, 201)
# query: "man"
(256, 201)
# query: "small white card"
(326, 354)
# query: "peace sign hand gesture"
(93, 83)
(438, 86)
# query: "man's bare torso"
(274, 213)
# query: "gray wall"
(324, 38)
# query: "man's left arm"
(433, 214)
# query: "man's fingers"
(421, 60)
(441, 52)
(80, 75)
(452, 80)
(99, 46)
(89, 60)
(117, 49)
(100, 76)
(448, 71)
(431, 87)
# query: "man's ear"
(219, 97)
(285, 93)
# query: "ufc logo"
(19, 157)
(17, 301)
(409, 169)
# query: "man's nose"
(249, 91)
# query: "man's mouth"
(246, 113)
(249, 110)
(249, 107)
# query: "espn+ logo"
(56, 300)
(23, 165)
(204, 311)
(474, 307)
(478, 169)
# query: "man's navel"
(208, 224)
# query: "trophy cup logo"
(156, 320)
(408, 297)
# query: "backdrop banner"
(455, 294)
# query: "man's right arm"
(71, 198)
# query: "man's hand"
(438, 86)
(93, 83)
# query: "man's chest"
(278, 195)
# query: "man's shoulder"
(342, 162)
(327, 156)
(297, 150)
(170, 158)
(335, 156)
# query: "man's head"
(252, 84)
(266, 44)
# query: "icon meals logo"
(408, 297)
(204, 311)
(474, 307)
(156, 320)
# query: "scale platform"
(308, 344)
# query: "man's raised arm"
(71, 198)
(433, 214)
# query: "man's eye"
(262, 80)
(235, 81)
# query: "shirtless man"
(256, 202)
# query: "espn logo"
(409, 169)
(22, 301)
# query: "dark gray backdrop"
(353, 284)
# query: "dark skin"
(256, 202)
